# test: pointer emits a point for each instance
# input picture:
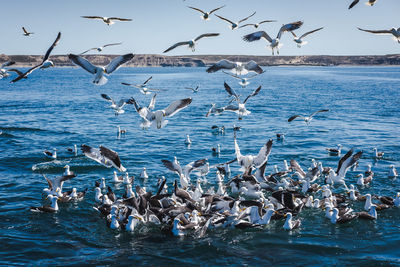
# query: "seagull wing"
(266, 21)
(128, 84)
(222, 64)
(193, 165)
(318, 111)
(252, 94)
(7, 64)
(108, 98)
(343, 159)
(112, 44)
(120, 19)
(152, 102)
(94, 154)
(257, 36)
(262, 156)
(245, 25)
(177, 106)
(230, 91)
(143, 112)
(151, 77)
(310, 32)
(233, 75)
(113, 157)
(295, 165)
(83, 63)
(289, 27)
(232, 108)
(26, 73)
(206, 35)
(215, 9)
(355, 2)
(227, 20)
(172, 166)
(16, 71)
(92, 17)
(176, 45)
(294, 117)
(25, 31)
(376, 32)
(246, 18)
(117, 62)
(253, 66)
(84, 52)
(197, 9)
(47, 55)
(350, 161)
(48, 182)
(239, 156)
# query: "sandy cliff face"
(203, 60)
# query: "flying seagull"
(195, 90)
(206, 15)
(307, 119)
(106, 20)
(256, 25)
(273, 43)
(100, 72)
(104, 156)
(191, 43)
(235, 25)
(355, 2)
(3, 70)
(243, 81)
(239, 68)
(143, 87)
(158, 116)
(100, 48)
(393, 31)
(26, 33)
(299, 40)
(44, 64)
(117, 107)
(184, 173)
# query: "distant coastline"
(153, 60)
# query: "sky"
(158, 24)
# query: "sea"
(60, 107)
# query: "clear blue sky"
(157, 24)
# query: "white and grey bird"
(238, 68)
(355, 2)
(26, 33)
(256, 25)
(104, 156)
(299, 40)
(107, 20)
(184, 173)
(348, 160)
(3, 71)
(214, 110)
(100, 48)
(240, 108)
(206, 15)
(307, 119)
(273, 43)
(117, 106)
(393, 31)
(44, 64)
(191, 43)
(235, 25)
(100, 72)
(159, 116)
(195, 89)
(143, 87)
(243, 81)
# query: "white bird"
(393, 172)
(3, 70)
(355, 2)
(104, 156)
(184, 173)
(44, 64)
(98, 195)
(248, 161)
(307, 119)
(143, 87)
(117, 106)
(144, 174)
(107, 20)
(299, 40)
(290, 223)
(206, 15)
(158, 116)
(56, 184)
(243, 81)
(214, 110)
(191, 43)
(195, 90)
(240, 109)
(26, 33)
(256, 25)
(51, 155)
(378, 154)
(238, 68)
(133, 221)
(235, 25)
(100, 48)
(397, 200)
(273, 43)
(100, 72)
(335, 151)
(344, 164)
(393, 31)
(187, 140)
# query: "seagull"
(238, 68)
(26, 33)
(56, 184)
(104, 156)
(191, 43)
(214, 110)
(243, 80)
(187, 140)
(106, 20)
(52, 208)
(235, 25)
(290, 223)
(240, 109)
(355, 2)
(143, 87)
(393, 172)
(117, 107)
(344, 164)
(51, 155)
(206, 15)
(256, 25)
(44, 64)
(159, 116)
(100, 48)
(100, 72)
(144, 174)
(378, 154)
(299, 40)
(195, 90)
(3, 71)
(307, 119)
(184, 173)
(249, 161)
(393, 31)
(274, 43)
(335, 151)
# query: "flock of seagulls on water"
(248, 199)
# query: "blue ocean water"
(59, 107)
